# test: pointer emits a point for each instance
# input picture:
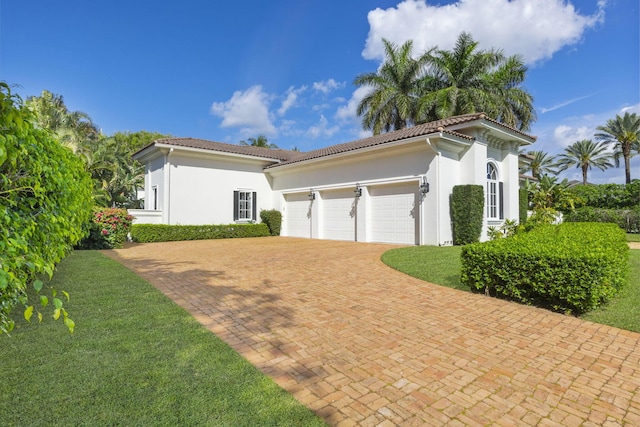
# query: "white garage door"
(394, 213)
(338, 215)
(297, 215)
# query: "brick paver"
(362, 344)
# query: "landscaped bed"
(136, 358)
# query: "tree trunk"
(584, 174)
(627, 169)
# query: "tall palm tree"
(624, 132)
(467, 80)
(540, 164)
(260, 141)
(392, 103)
(584, 155)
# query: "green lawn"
(136, 359)
(441, 265)
(633, 237)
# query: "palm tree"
(392, 103)
(584, 155)
(540, 164)
(466, 80)
(624, 132)
(260, 141)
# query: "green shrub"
(609, 196)
(108, 229)
(467, 213)
(523, 206)
(146, 233)
(571, 267)
(273, 219)
(626, 219)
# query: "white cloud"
(348, 112)
(248, 110)
(291, 99)
(535, 29)
(327, 86)
(563, 104)
(322, 129)
(566, 135)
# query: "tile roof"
(287, 157)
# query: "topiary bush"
(523, 205)
(273, 219)
(571, 267)
(467, 213)
(108, 229)
(147, 233)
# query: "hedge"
(571, 267)
(273, 219)
(467, 213)
(608, 196)
(523, 205)
(627, 219)
(146, 233)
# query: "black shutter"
(254, 206)
(501, 196)
(236, 202)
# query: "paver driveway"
(362, 344)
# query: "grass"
(441, 265)
(136, 358)
(633, 237)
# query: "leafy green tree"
(74, 129)
(624, 132)
(467, 80)
(547, 197)
(392, 103)
(260, 141)
(540, 164)
(584, 155)
(45, 204)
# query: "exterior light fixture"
(424, 186)
(312, 194)
(358, 190)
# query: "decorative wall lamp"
(424, 186)
(312, 194)
(358, 190)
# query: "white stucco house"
(392, 188)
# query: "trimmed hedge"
(273, 219)
(609, 196)
(627, 219)
(523, 206)
(147, 233)
(467, 212)
(571, 267)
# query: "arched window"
(494, 193)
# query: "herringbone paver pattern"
(362, 344)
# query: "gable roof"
(283, 157)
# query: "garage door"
(394, 214)
(338, 215)
(297, 215)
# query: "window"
(495, 206)
(244, 205)
(154, 197)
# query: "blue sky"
(226, 71)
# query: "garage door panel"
(393, 214)
(338, 215)
(297, 215)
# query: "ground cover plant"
(441, 266)
(136, 358)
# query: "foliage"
(440, 84)
(523, 205)
(547, 198)
(260, 141)
(139, 360)
(508, 228)
(273, 219)
(146, 233)
(624, 133)
(571, 268)
(608, 196)
(540, 163)
(584, 155)
(108, 229)
(466, 80)
(467, 213)
(45, 196)
(626, 219)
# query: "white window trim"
(492, 193)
